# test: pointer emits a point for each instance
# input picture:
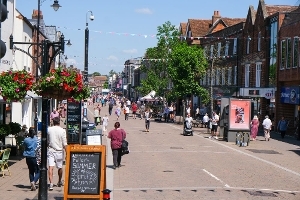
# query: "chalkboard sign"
(73, 121)
(84, 173)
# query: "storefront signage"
(289, 95)
(267, 93)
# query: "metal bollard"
(106, 194)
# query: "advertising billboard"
(239, 114)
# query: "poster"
(239, 114)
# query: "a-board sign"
(73, 122)
(94, 137)
(85, 171)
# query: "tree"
(105, 85)
(111, 73)
(96, 74)
(155, 65)
(186, 65)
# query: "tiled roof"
(271, 9)
(100, 78)
(232, 21)
(182, 28)
(199, 27)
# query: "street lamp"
(55, 6)
(86, 46)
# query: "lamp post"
(86, 46)
(211, 87)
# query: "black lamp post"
(86, 46)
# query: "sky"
(124, 29)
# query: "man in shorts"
(57, 143)
(214, 128)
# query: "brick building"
(288, 68)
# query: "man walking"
(267, 124)
(57, 142)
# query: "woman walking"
(118, 112)
(30, 144)
(282, 126)
(116, 135)
(147, 119)
(254, 127)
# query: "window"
(259, 41)
(289, 53)
(247, 75)
(213, 77)
(248, 45)
(211, 51)
(283, 54)
(226, 48)
(219, 49)
(258, 75)
(189, 34)
(229, 76)
(235, 76)
(234, 46)
(296, 52)
(205, 51)
(218, 77)
(223, 76)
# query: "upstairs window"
(234, 46)
(219, 50)
(226, 49)
(296, 52)
(248, 45)
(223, 74)
(247, 75)
(229, 78)
(211, 51)
(258, 75)
(283, 55)
(289, 53)
(235, 75)
(218, 77)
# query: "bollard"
(106, 194)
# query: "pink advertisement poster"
(239, 114)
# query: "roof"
(182, 28)
(271, 9)
(199, 27)
(100, 78)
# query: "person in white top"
(214, 128)
(126, 112)
(267, 124)
(171, 112)
(57, 143)
(105, 122)
(205, 120)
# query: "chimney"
(35, 14)
(215, 17)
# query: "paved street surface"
(163, 164)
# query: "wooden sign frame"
(76, 148)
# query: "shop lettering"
(5, 62)
(285, 95)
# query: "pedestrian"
(110, 107)
(205, 120)
(96, 115)
(126, 112)
(214, 125)
(254, 124)
(57, 143)
(105, 121)
(117, 135)
(142, 110)
(53, 114)
(134, 109)
(147, 116)
(30, 144)
(118, 112)
(282, 126)
(267, 124)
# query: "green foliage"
(96, 74)
(105, 85)
(15, 128)
(4, 131)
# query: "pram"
(188, 128)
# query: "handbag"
(124, 146)
(98, 119)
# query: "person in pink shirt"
(116, 135)
(53, 114)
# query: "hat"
(24, 126)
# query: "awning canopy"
(33, 95)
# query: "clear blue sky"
(109, 46)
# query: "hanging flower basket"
(62, 83)
(15, 84)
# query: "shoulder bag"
(125, 149)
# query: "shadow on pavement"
(22, 186)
